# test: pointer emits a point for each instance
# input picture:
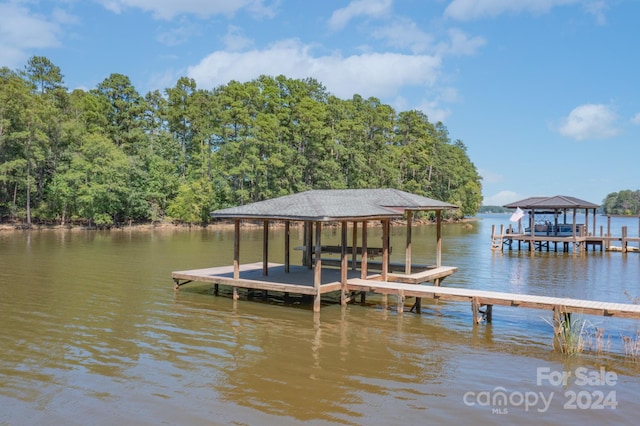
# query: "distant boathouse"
(543, 222)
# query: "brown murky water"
(92, 333)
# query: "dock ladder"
(497, 240)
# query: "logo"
(588, 390)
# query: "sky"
(545, 94)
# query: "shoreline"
(165, 226)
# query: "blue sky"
(544, 93)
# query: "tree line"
(625, 202)
(110, 156)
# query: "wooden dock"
(300, 280)
(509, 239)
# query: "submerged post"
(400, 301)
(475, 310)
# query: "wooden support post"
(343, 264)
(236, 256)
(386, 223)
(576, 246)
(558, 326)
(216, 289)
(363, 297)
(400, 301)
(354, 246)
(317, 272)
(287, 246)
(407, 255)
(532, 229)
(236, 249)
(365, 256)
(438, 238)
(308, 244)
(418, 305)
(488, 313)
(493, 237)
(623, 239)
(475, 311)
(608, 232)
(586, 222)
(265, 248)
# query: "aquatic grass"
(597, 341)
(631, 345)
(576, 336)
(571, 336)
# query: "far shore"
(168, 226)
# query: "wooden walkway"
(300, 281)
(490, 298)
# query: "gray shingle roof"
(555, 202)
(335, 204)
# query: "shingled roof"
(335, 204)
(555, 202)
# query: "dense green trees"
(110, 156)
(625, 202)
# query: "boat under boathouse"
(318, 273)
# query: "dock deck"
(299, 279)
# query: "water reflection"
(325, 366)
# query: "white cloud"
(597, 8)
(372, 8)
(636, 119)
(20, 30)
(467, 10)
(167, 9)
(235, 40)
(501, 198)
(590, 121)
(367, 74)
(179, 34)
(460, 44)
(404, 33)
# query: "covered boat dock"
(552, 220)
(318, 274)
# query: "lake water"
(93, 333)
